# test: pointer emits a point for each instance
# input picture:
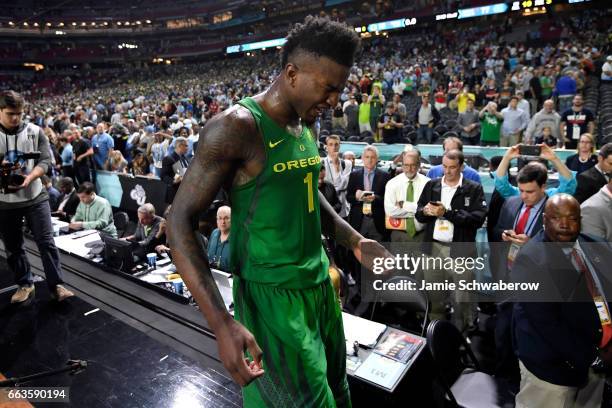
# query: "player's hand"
(233, 339)
(367, 250)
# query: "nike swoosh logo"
(273, 145)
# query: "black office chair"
(458, 371)
(399, 307)
(121, 221)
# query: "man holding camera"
(567, 178)
(26, 197)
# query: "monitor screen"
(118, 253)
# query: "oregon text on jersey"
(296, 164)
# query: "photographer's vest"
(24, 140)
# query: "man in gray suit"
(597, 214)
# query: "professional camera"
(7, 169)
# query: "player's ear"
(291, 71)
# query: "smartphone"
(368, 193)
(530, 150)
(510, 233)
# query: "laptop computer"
(224, 283)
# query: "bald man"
(219, 243)
(557, 338)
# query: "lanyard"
(221, 245)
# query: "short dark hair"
(65, 182)
(605, 150)
(324, 38)
(455, 155)
(11, 99)
(87, 188)
(532, 171)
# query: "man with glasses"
(26, 197)
(401, 197)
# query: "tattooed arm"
(229, 149)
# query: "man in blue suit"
(520, 219)
(557, 337)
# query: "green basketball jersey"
(276, 224)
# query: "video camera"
(7, 175)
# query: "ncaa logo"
(138, 194)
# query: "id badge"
(367, 208)
(576, 132)
(513, 252)
(602, 310)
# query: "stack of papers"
(365, 332)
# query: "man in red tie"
(520, 219)
(526, 209)
(560, 329)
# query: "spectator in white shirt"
(337, 171)
(401, 203)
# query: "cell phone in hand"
(436, 203)
(529, 150)
(368, 193)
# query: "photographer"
(27, 198)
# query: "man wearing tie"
(520, 219)
(560, 330)
(173, 168)
(365, 193)
(401, 197)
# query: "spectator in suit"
(567, 178)
(585, 156)
(402, 195)
(593, 179)
(173, 168)
(557, 341)
(366, 193)
(367, 213)
(596, 213)
(452, 209)
(520, 219)
(69, 200)
(146, 237)
(454, 143)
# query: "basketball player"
(263, 152)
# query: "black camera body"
(8, 177)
